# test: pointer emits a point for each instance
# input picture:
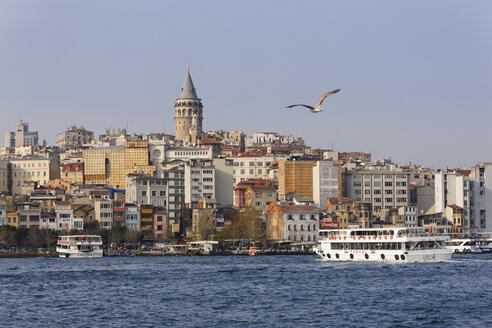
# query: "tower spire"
(188, 91)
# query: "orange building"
(289, 222)
(295, 176)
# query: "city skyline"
(406, 90)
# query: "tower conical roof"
(188, 91)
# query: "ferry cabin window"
(366, 246)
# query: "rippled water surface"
(261, 291)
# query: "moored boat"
(396, 245)
(464, 245)
(79, 246)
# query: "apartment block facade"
(74, 137)
(199, 180)
(111, 165)
(38, 170)
(325, 182)
(383, 189)
(295, 176)
(481, 217)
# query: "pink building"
(160, 224)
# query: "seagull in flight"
(317, 108)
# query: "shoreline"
(55, 255)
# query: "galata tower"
(188, 113)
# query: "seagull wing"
(326, 95)
(307, 106)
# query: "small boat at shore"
(464, 245)
(252, 251)
(395, 245)
(79, 246)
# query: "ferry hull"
(86, 255)
(387, 256)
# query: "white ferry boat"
(396, 245)
(464, 245)
(485, 244)
(80, 246)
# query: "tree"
(118, 234)
(205, 224)
(132, 236)
(33, 238)
(247, 225)
(49, 238)
(223, 235)
(7, 236)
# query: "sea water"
(242, 291)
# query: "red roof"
(297, 209)
(210, 141)
(464, 172)
(262, 188)
(72, 167)
(336, 201)
(99, 192)
(253, 153)
(254, 182)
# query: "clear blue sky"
(416, 77)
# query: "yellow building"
(26, 170)
(110, 166)
(73, 172)
(295, 176)
(13, 219)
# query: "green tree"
(247, 225)
(222, 235)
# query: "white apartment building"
(289, 222)
(383, 189)
(255, 167)
(453, 188)
(481, 217)
(143, 189)
(64, 215)
(410, 216)
(103, 211)
(162, 155)
(224, 181)
(264, 138)
(199, 179)
(29, 215)
(325, 182)
(21, 136)
(48, 221)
